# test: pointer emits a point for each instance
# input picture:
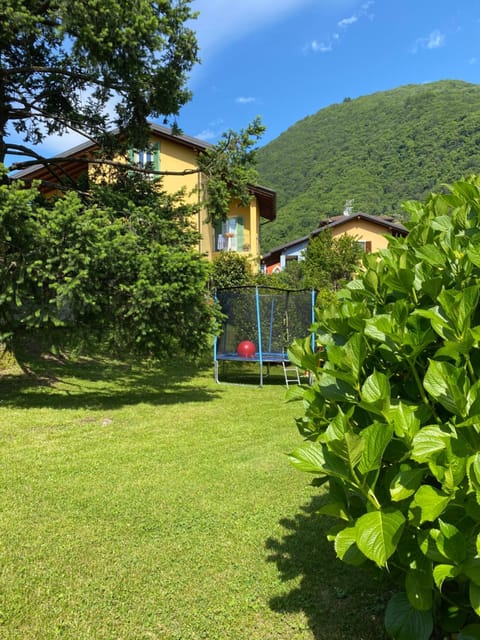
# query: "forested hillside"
(377, 150)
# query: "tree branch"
(17, 166)
(26, 151)
(70, 73)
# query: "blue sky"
(286, 59)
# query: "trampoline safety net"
(267, 317)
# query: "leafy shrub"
(392, 421)
(231, 269)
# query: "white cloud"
(343, 24)
(222, 21)
(434, 40)
(346, 22)
(473, 60)
(245, 99)
(212, 132)
(207, 134)
(319, 47)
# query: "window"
(148, 159)
(366, 245)
(229, 235)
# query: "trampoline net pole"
(259, 331)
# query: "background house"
(176, 155)
(370, 231)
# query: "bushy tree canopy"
(68, 65)
(330, 261)
(231, 269)
(124, 268)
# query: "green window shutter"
(240, 233)
(131, 155)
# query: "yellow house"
(176, 157)
(369, 231)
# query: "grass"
(148, 503)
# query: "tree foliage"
(113, 256)
(229, 168)
(65, 66)
(330, 261)
(124, 268)
(377, 150)
(102, 68)
(392, 422)
(231, 269)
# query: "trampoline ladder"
(291, 373)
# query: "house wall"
(362, 230)
(177, 158)
(293, 253)
(365, 231)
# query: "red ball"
(246, 349)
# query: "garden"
(146, 501)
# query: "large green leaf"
(427, 504)
(308, 457)
(334, 388)
(349, 448)
(448, 385)
(336, 429)
(419, 588)
(470, 632)
(375, 440)
(376, 391)
(336, 467)
(380, 327)
(404, 622)
(346, 547)
(378, 534)
(405, 483)
(439, 321)
(405, 421)
(443, 571)
(451, 542)
(426, 542)
(354, 354)
(428, 442)
(454, 464)
(459, 307)
(474, 594)
(431, 254)
(334, 509)
(471, 568)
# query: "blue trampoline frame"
(261, 356)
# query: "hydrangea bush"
(392, 419)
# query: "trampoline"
(268, 317)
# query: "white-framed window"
(366, 245)
(148, 159)
(229, 235)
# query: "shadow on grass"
(102, 384)
(339, 602)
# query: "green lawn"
(147, 504)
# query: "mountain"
(377, 150)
